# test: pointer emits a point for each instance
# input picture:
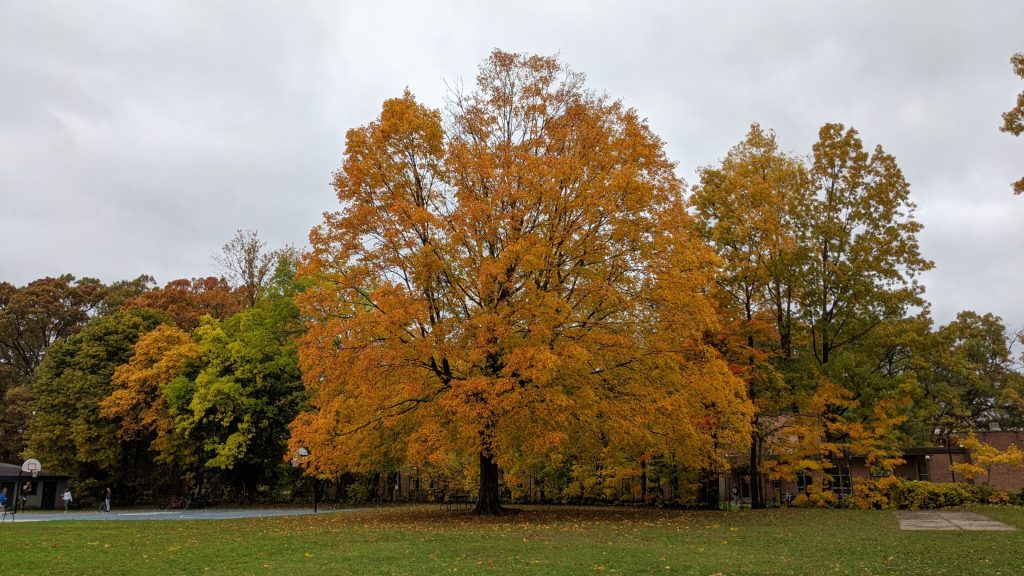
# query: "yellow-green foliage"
(815, 497)
(918, 495)
(875, 493)
(897, 493)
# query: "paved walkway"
(947, 520)
(200, 514)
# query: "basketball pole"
(34, 468)
(17, 493)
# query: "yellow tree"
(141, 387)
(985, 456)
(516, 278)
(826, 255)
(746, 209)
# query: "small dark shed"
(44, 491)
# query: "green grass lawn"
(556, 540)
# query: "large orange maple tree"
(516, 278)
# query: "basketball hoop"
(32, 466)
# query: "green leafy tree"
(213, 406)
(119, 293)
(859, 285)
(246, 393)
(32, 318)
(862, 235)
(872, 415)
(969, 378)
(68, 433)
(820, 268)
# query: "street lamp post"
(301, 455)
(949, 452)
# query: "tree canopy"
(68, 432)
(514, 280)
(214, 401)
(32, 319)
(820, 266)
(969, 378)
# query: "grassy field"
(426, 540)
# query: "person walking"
(107, 499)
(3, 501)
(66, 498)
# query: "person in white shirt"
(66, 498)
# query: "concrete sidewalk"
(948, 520)
(138, 514)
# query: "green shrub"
(1017, 498)
(989, 495)
(357, 493)
(919, 495)
(896, 493)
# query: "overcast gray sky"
(137, 136)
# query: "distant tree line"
(185, 389)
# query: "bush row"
(897, 493)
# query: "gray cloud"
(135, 137)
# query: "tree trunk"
(643, 481)
(757, 499)
(487, 502)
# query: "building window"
(922, 470)
(879, 473)
(842, 485)
(803, 481)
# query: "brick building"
(932, 464)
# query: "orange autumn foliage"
(138, 402)
(516, 279)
